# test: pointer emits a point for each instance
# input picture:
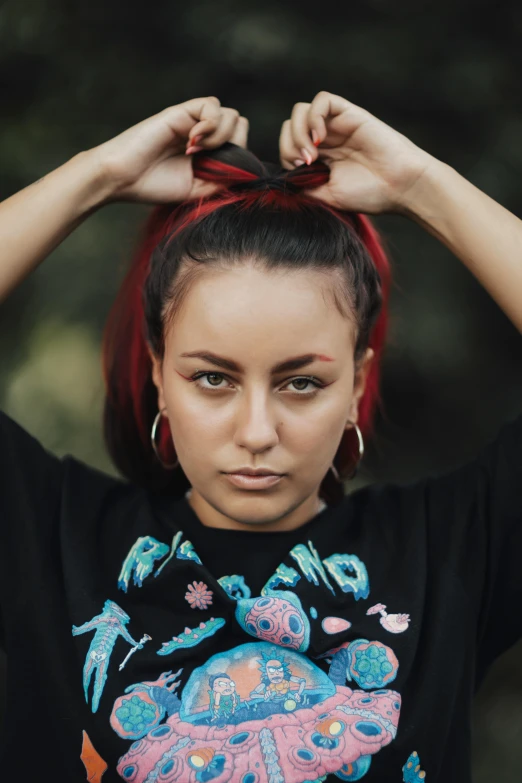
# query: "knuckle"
(214, 99)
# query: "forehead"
(274, 312)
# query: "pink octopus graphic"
(198, 595)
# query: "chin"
(256, 510)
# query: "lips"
(246, 481)
(254, 473)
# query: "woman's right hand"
(147, 163)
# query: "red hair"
(253, 204)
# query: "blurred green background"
(445, 74)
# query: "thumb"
(322, 193)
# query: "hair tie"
(278, 182)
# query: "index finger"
(240, 135)
(327, 104)
(206, 112)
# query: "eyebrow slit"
(294, 363)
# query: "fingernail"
(306, 155)
(195, 139)
(298, 162)
(316, 139)
(190, 150)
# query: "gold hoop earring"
(361, 453)
(167, 466)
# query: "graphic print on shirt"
(192, 636)
(347, 571)
(139, 563)
(107, 626)
(273, 708)
(235, 586)
(198, 595)
(276, 616)
(394, 623)
(272, 714)
(334, 624)
(134, 716)
(370, 664)
(144, 553)
(94, 765)
(411, 771)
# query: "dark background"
(445, 74)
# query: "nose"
(256, 423)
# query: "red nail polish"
(315, 138)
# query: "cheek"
(316, 429)
(192, 417)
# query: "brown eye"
(297, 381)
(205, 376)
(218, 376)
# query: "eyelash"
(315, 381)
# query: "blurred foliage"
(446, 75)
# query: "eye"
(309, 380)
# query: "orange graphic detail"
(94, 765)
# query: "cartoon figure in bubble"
(277, 682)
(223, 697)
(275, 730)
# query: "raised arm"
(483, 234)
(38, 218)
(146, 163)
(375, 169)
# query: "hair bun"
(240, 171)
(280, 182)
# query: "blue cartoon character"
(107, 626)
(278, 684)
(224, 700)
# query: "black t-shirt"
(146, 647)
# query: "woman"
(189, 622)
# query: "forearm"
(35, 220)
(484, 235)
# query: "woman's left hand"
(372, 166)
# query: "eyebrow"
(294, 363)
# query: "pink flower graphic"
(198, 595)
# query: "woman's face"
(251, 416)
